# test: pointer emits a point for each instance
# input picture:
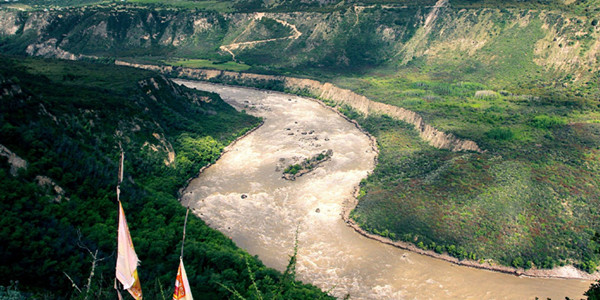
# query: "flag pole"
(127, 259)
(182, 285)
(120, 176)
(184, 226)
(119, 180)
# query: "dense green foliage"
(594, 292)
(66, 119)
(292, 169)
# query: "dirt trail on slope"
(234, 46)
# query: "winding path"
(244, 196)
(233, 46)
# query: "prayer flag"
(127, 260)
(182, 286)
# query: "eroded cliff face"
(551, 41)
(366, 106)
(329, 92)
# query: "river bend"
(244, 196)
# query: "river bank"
(225, 150)
(564, 272)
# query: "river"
(244, 196)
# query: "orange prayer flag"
(182, 286)
(127, 260)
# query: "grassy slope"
(66, 123)
(531, 199)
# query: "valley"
(483, 119)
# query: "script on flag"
(127, 260)
(182, 286)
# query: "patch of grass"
(292, 169)
(220, 6)
(208, 64)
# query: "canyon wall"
(506, 44)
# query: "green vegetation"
(594, 292)
(220, 6)
(204, 63)
(66, 119)
(292, 169)
(530, 200)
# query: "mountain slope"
(66, 120)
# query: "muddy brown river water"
(244, 196)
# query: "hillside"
(499, 44)
(61, 125)
(519, 78)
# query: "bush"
(500, 134)
(293, 169)
(594, 292)
(518, 262)
(545, 122)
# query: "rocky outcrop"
(329, 92)
(306, 166)
(16, 163)
(49, 49)
(52, 188)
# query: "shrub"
(518, 262)
(293, 169)
(500, 134)
(544, 121)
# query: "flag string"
(184, 227)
